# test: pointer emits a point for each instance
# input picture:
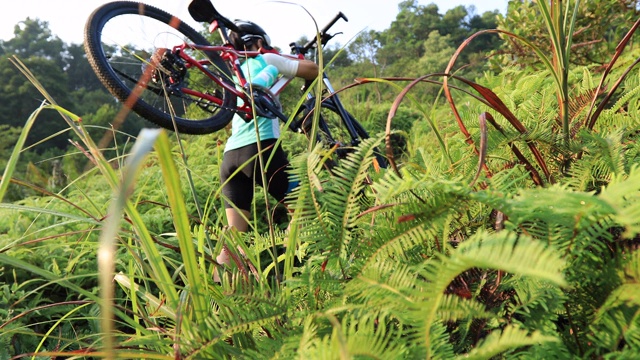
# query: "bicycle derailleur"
(169, 69)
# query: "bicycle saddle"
(203, 11)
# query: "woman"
(237, 175)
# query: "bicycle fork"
(333, 97)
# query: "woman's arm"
(307, 69)
(290, 67)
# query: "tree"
(398, 47)
(365, 47)
(79, 71)
(403, 40)
(600, 25)
(8, 140)
(46, 57)
(438, 50)
(64, 72)
(21, 98)
(34, 38)
(337, 56)
(487, 42)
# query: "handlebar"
(324, 37)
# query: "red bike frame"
(232, 57)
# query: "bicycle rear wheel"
(333, 132)
(120, 39)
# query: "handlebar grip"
(335, 19)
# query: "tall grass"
(419, 263)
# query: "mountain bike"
(169, 74)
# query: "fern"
(328, 210)
(628, 96)
(536, 305)
(616, 324)
(622, 195)
(509, 338)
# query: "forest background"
(63, 70)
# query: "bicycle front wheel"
(333, 131)
(122, 39)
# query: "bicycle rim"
(120, 40)
(333, 133)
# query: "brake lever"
(326, 37)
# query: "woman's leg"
(238, 219)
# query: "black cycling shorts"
(238, 188)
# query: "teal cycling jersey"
(243, 133)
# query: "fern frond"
(505, 251)
(608, 151)
(577, 106)
(525, 87)
(258, 312)
(385, 285)
(623, 195)
(626, 294)
(327, 211)
(500, 341)
(441, 346)
(392, 185)
(366, 338)
(411, 293)
(422, 225)
(351, 177)
(454, 308)
(627, 96)
(308, 212)
(553, 214)
(536, 304)
(617, 329)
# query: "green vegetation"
(507, 227)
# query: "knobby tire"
(120, 65)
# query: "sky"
(284, 21)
